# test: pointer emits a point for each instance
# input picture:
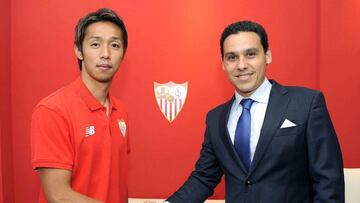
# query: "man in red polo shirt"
(79, 134)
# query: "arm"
(57, 187)
(325, 159)
(202, 181)
(53, 154)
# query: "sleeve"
(202, 181)
(325, 159)
(51, 146)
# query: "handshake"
(155, 201)
(138, 200)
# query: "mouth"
(244, 76)
(104, 66)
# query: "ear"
(222, 64)
(268, 56)
(78, 53)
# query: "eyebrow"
(251, 50)
(230, 53)
(98, 37)
(243, 51)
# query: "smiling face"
(245, 62)
(102, 52)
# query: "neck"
(99, 90)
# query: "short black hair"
(101, 15)
(244, 26)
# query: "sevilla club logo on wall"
(170, 98)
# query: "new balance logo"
(90, 130)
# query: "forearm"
(202, 181)
(57, 187)
(67, 195)
(193, 190)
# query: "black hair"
(101, 15)
(244, 26)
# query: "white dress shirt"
(258, 109)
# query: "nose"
(241, 64)
(105, 52)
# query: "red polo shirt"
(70, 130)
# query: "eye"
(115, 45)
(95, 45)
(251, 54)
(231, 57)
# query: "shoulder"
(296, 92)
(220, 107)
(303, 94)
(299, 96)
(51, 112)
(58, 100)
(302, 91)
(219, 110)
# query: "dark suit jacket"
(301, 164)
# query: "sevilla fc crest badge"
(170, 98)
(122, 127)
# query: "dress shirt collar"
(261, 94)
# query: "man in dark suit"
(274, 144)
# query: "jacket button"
(248, 183)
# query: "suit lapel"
(224, 117)
(277, 105)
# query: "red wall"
(1, 181)
(173, 41)
(6, 166)
(339, 71)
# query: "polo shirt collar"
(88, 98)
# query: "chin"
(245, 91)
(104, 79)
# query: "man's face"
(102, 52)
(245, 62)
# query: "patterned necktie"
(242, 133)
